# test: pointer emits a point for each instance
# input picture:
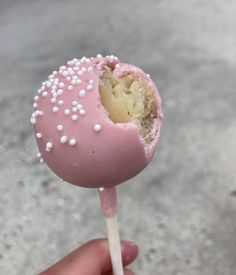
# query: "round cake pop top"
(97, 121)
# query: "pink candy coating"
(75, 136)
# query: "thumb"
(92, 258)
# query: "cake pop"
(97, 121)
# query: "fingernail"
(130, 243)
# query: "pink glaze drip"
(108, 201)
(88, 149)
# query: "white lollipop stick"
(108, 200)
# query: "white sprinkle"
(48, 84)
(70, 87)
(99, 56)
(60, 127)
(54, 94)
(74, 103)
(39, 155)
(87, 60)
(89, 87)
(75, 117)
(91, 81)
(79, 106)
(53, 100)
(44, 94)
(148, 75)
(90, 69)
(101, 189)
(63, 139)
(63, 68)
(54, 73)
(117, 66)
(83, 69)
(78, 81)
(68, 78)
(82, 112)
(61, 85)
(39, 91)
(97, 127)
(41, 160)
(82, 93)
(76, 68)
(60, 92)
(38, 113)
(73, 82)
(80, 72)
(65, 73)
(36, 98)
(48, 146)
(33, 120)
(74, 109)
(74, 77)
(72, 141)
(55, 109)
(38, 135)
(56, 81)
(66, 112)
(34, 115)
(54, 87)
(71, 72)
(60, 102)
(35, 105)
(71, 62)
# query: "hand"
(93, 258)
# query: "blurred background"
(182, 209)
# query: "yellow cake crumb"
(129, 99)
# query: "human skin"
(93, 258)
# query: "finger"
(92, 258)
(129, 252)
(128, 272)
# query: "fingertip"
(130, 252)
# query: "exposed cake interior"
(129, 99)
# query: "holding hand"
(93, 258)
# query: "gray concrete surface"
(182, 209)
